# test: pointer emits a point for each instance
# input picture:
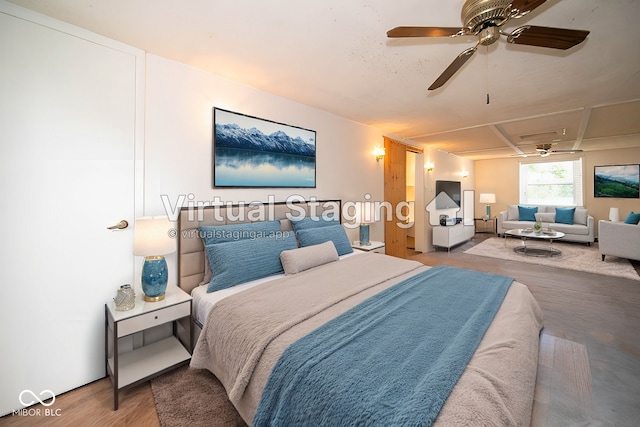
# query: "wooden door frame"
(395, 187)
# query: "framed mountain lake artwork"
(253, 152)
(617, 181)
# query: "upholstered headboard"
(191, 257)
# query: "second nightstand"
(494, 224)
(377, 247)
(146, 362)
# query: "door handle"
(119, 226)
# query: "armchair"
(619, 239)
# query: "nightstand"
(146, 362)
(377, 247)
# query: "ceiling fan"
(544, 150)
(483, 18)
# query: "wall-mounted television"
(452, 189)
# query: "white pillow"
(300, 259)
(513, 214)
(545, 216)
(580, 216)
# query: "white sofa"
(619, 239)
(582, 229)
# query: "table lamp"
(488, 198)
(614, 214)
(151, 239)
(365, 215)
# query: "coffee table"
(527, 234)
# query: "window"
(551, 183)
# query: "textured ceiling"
(334, 55)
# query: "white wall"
(178, 143)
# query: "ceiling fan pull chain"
(487, 74)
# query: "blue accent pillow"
(527, 213)
(632, 218)
(334, 233)
(214, 234)
(308, 222)
(241, 261)
(565, 215)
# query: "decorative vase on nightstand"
(125, 298)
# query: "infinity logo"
(53, 398)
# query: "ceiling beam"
(584, 121)
(504, 139)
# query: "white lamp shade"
(614, 214)
(366, 213)
(487, 198)
(151, 236)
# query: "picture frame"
(617, 181)
(253, 152)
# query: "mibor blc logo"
(46, 398)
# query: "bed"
(273, 342)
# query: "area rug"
(574, 256)
(193, 398)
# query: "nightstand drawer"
(154, 318)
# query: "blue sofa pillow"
(632, 218)
(527, 213)
(241, 261)
(565, 215)
(334, 233)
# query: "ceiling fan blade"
(453, 67)
(426, 32)
(525, 6)
(555, 38)
(566, 151)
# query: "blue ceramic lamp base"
(488, 211)
(154, 278)
(364, 234)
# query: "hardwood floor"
(92, 405)
(595, 318)
(600, 312)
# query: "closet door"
(68, 130)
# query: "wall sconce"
(379, 152)
(428, 166)
(465, 174)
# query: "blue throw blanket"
(392, 360)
